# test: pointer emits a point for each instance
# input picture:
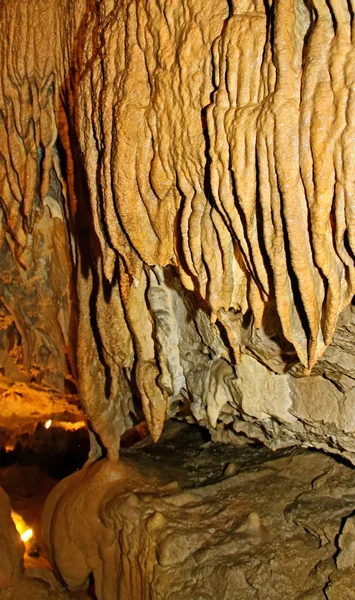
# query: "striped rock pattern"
(204, 147)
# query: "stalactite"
(213, 137)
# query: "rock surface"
(177, 213)
(38, 319)
(16, 583)
(189, 518)
(11, 547)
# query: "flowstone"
(16, 582)
(189, 518)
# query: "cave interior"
(177, 315)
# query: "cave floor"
(244, 522)
(240, 522)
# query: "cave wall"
(191, 164)
(38, 300)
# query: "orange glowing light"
(71, 426)
(26, 536)
(67, 425)
(26, 533)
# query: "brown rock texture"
(16, 583)
(190, 519)
(38, 312)
(11, 547)
(190, 165)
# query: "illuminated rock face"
(38, 329)
(202, 154)
(16, 582)
(186, 519)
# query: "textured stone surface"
(38, 319)
(16, 583)
(11, 547)
(188, 165)
(177, 235)
(194, 519)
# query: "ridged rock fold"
(203, 154)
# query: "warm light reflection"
(71, 426)
(25, 532)
(67, 425)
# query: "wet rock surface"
(189, 518)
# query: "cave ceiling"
(177, 214)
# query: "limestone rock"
(38, 321)
(165, 523)
(346, 556)
(176, 199)
(11, 547)
(15, 582)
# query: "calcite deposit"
(190, 519)
(177, 239)
(177, 213)
(16, 583)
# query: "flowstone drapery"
(190, 166)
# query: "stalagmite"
(177, 240)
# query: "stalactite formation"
(208, 143)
